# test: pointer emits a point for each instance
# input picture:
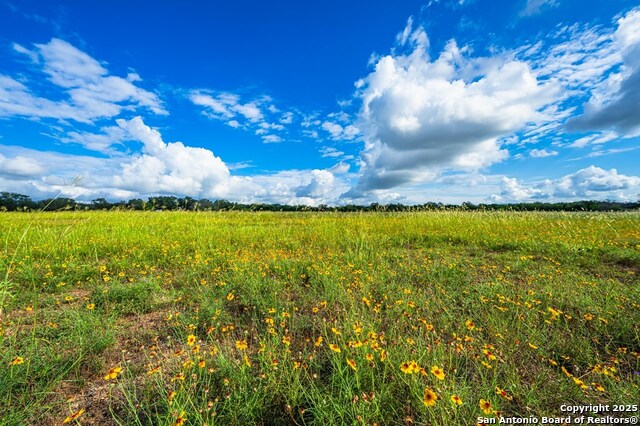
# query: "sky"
(321, 102)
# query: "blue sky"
(322, 102)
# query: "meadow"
(432, 318)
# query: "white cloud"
(228, 106)
(101, 142)
(170, 168)
(333, 128)
(287, 118)
(250, 111)
(258, 115)
(321, 185)
(512, 190)
(577, 58)
(328, 151)
(600, 152)
(403, 37)
(421, 115)
(331, 152)
(218, 107)
(614, 100)
(17, 100)
(340, 168)
(533, 7)
(338, 132)
(541, 153)
(594, 139)
(90, 91)
(20, 166)
(271, 138)
(589, 183)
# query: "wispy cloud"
(257, 114)
(534, 7)
(614, 101)
(89, 92)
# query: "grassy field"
(260, 318)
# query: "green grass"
(553, 297)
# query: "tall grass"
(265, 318)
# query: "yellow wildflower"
(429, 398)
(17, 361)
(113, 373)
(73, 416)
(485, 406)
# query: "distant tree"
(100, 204)
(136, 204)
(55, 204)
(12, 201)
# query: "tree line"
(10, 201)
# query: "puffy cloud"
(338, 132)
(287, 118)
(512, 190)
(20, 166)
(588, 183)
(321, 185)
(541, 153)
(271, 139)
(615, 100)
(421, 115)
(169, 167)
(340, 168)
(92, 93)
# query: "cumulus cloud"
(615, 102)
(320, 185)
(421, 115)
(91, 93)
(588, 183)
(169, 168)
(512, 190)
(19, 166)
